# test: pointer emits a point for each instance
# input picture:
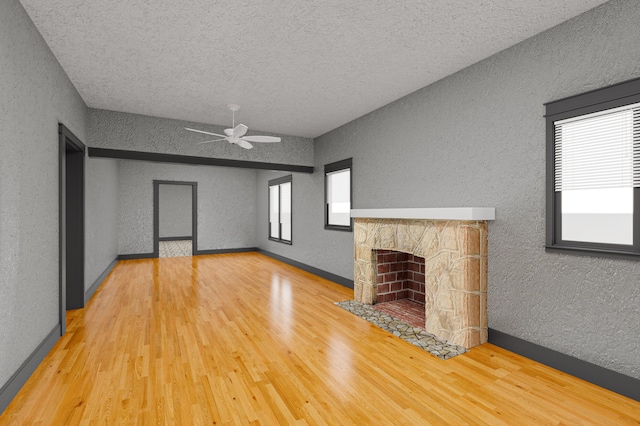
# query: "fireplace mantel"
(440, 213)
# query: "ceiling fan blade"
(240, 130)
(214, 140)
(244, 144)
(261, 139)
(202, 131)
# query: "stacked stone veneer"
(399, 276)
(455, 254)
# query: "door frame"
(156, 214)
(71, 180)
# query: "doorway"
(175, 231)
(71, 226)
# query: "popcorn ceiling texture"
(35, 94)
(187, 59)
(132, 132)
(226, 204)
(477, 138)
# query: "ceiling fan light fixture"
(236, 134)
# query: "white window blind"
(339, 197)
(274, 211)
(285, 211)
(285, 198)
(596, 169)
(600, 150)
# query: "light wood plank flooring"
(245, 339)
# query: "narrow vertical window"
(280, 209)
(338, 195)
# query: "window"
(593, 172)
(280, 209)
(337, 195)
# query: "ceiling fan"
(236, 134)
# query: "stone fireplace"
(453, 244)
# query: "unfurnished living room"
(301, 212)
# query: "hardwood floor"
(245, 339)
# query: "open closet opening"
(175, 218)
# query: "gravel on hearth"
(414, 335)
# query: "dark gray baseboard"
(174, 238)
(319, 272)
(223, 251)
(608, 379)
(195, 253)
(20, 377)
(136, 256)
(89, 293)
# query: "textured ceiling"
(296, 67)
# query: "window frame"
(332, 168)
(277, 182)
(617, 95)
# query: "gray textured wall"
(35, 94)
(226, 204)
(133, 132)
(313, 245)
(101, 217)
(174, 207)
(477, 138)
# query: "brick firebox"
(400, 276)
